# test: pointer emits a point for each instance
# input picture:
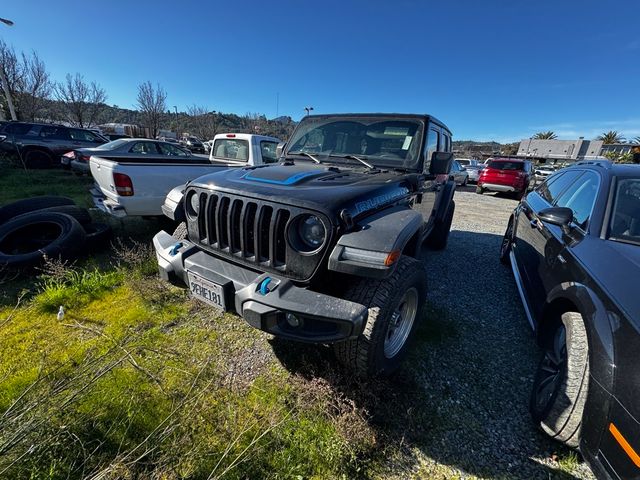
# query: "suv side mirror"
(560, 216)
(280, 149)
(441, 163)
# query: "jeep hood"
(325, 188)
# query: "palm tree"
(545, 135)
(611, 137)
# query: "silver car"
(472, 167)
(543, 171)
(131, 148)
(459, 174)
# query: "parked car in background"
(472, 166)
(194, 144)
(506, 175)
(459, 174)
(40, 145)
(543, 171)
(130, 148)
(574, 247)
(207, 146)
(137, 179)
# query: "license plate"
(207, 291)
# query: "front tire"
(395, 305)
(561, 382)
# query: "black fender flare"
(444, 200)
(384, 232)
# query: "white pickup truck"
(137, 185)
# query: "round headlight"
(312, 232)
(193, 206)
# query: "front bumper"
(322, 318)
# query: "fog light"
(292, 320)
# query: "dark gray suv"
(41, 145)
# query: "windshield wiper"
(308, 155)
(362, 161)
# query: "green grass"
(18, 184)
(137, 384)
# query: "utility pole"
(3, 79)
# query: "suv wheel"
(37, 159)
(395, 305)
(560, 385)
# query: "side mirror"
(280, 149)
(441, 163)
(560, 216)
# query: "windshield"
(502, 165)
(625, 215)
(393, 142)
(111, 145)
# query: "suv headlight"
(307, 234)
(193, 204)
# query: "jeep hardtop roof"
(422, 116)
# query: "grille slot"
(252, 232)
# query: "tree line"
(83, 103)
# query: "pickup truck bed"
(149, 185)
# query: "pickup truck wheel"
(507, 241)
(30, 205)
(395, 305)
(180, 233)
(37, 159)
(439, 236)
(24, 241)
(561, 382)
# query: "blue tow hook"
(264, 286)
(174, 250)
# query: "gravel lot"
(478, 371)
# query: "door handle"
(535, 223)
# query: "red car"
(506, 175)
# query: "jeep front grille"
(250, 231)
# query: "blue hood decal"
(284, 181)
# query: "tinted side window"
(172, 150)
(580, 197)
(268, 151)
(147, 148)
(18, 128)
(82, 135)
(54, 133)
(432, 146)
(553, 187)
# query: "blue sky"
(491, 70)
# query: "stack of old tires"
(49, 226)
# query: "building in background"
(553, 151)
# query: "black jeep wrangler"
(322, 247)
